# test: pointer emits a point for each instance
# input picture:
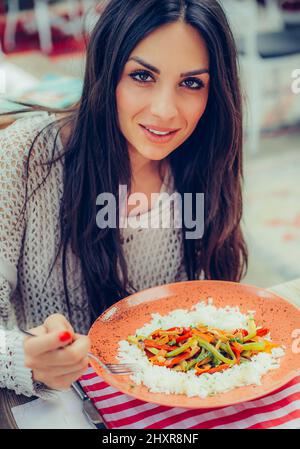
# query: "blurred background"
(42, 59)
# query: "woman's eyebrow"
(156, 70)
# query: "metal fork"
(111, 368)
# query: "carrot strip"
(211, 370)
(209, 338)
(153, 344)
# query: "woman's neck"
(147, 178)
(142, 168)
(147, 174)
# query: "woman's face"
(156, 91)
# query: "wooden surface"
(8, 399)
(7, 120)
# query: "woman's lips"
(156, 138)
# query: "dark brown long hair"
(96, 156)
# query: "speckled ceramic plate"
(122, 319)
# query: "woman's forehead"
(176, 44)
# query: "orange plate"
(131, 313)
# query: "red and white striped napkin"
(280, 410)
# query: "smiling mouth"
(159, 137)
(159, 133)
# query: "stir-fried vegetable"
(202, 348)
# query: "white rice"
(160, 379)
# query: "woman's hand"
(57, 356)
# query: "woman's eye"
(194, 83)
(142, 76)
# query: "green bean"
(252, 329)
(153, 350)
(256, 346)
(214, 351)
(200, 357)
(182, 348)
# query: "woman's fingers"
(36, 346)
(56, 371)
(69, 355)
(39, 330)
(55, 333)
(74, 352)
(56, 355)
(57, 322)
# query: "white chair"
(42, 22)
(44, 18)
(265, 43)
(243, 16)
(83, 15)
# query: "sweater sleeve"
(13, 373)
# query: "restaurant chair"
(264, 44)
(44, 18)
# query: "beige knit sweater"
(28, 246)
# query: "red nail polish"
(65, 336)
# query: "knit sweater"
(29, 242)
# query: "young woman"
(160, 111)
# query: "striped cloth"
(280, 410)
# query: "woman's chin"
(154, 153)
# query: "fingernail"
(65, 336)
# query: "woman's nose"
(163, 105)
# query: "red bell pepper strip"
(148, 353)
(178, 359)
(184, 337)
(237, 346)
(237, 353)
(175, 329)
(262, 332)
(244, 332)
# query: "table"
(8, 399)
(7, 120)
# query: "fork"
(111, 368)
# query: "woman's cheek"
(130, 98)
(124, 99)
